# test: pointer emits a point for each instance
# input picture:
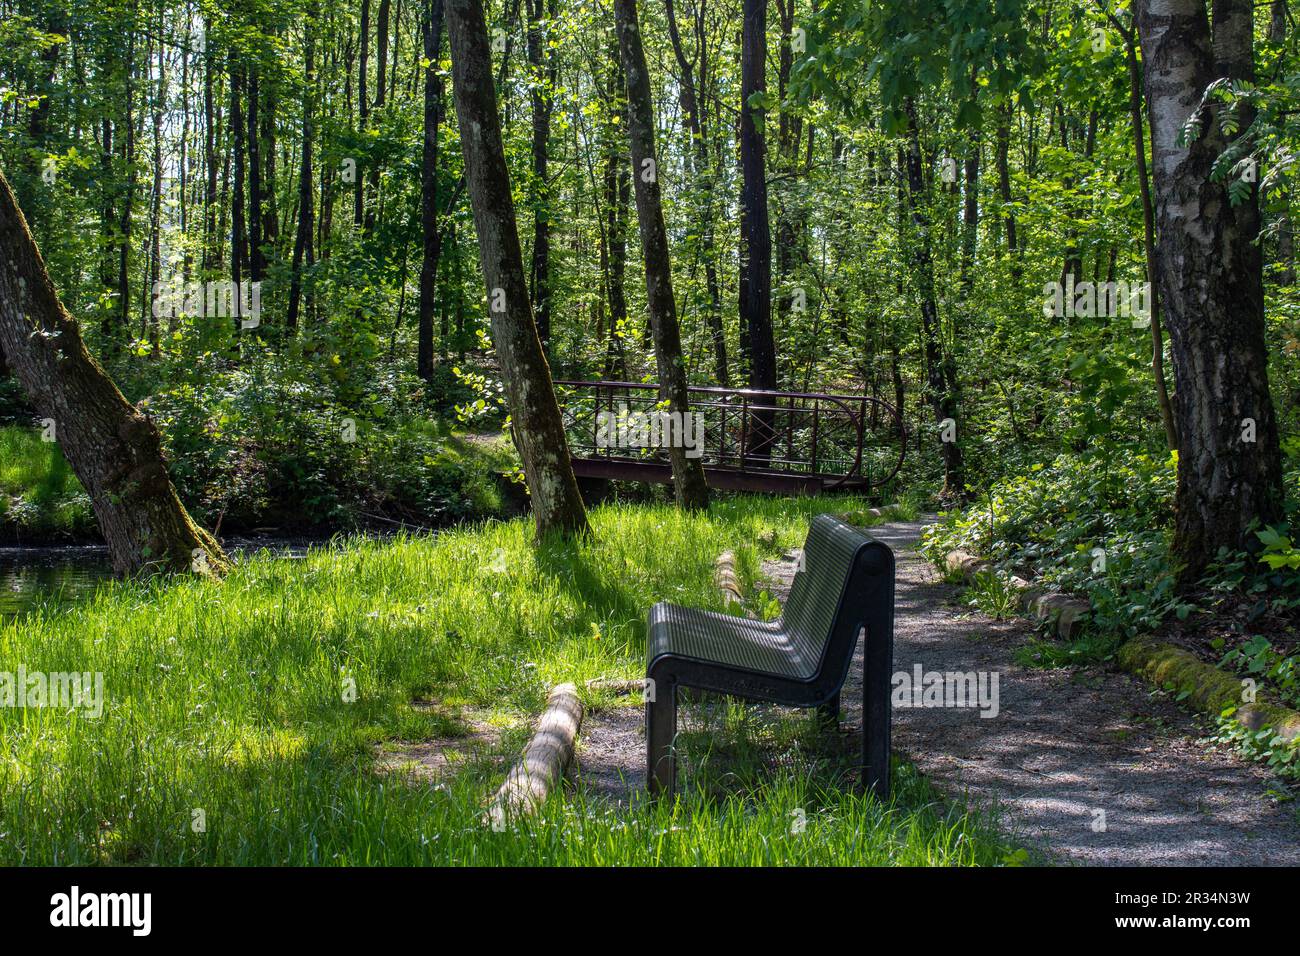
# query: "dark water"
(64, 576)
(31, 576)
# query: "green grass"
(993, 594)
(39, 494)
(228, 697)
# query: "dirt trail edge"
(1087, 765)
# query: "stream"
(65, 575)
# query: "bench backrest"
(846, 583)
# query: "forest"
(314, 304)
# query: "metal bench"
(844, 589)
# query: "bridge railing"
(746, 438)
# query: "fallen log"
(1204, 686)
(543, 762)
(724, 576)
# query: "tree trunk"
(789, 221)
(940, 368)
(688, 472)
(381, 66)
(210, 241)
(149, 323)
(270, 218)
(363, 109)
(302, 246)
(690, 99)
(538, 427)
(124, 227)
(970, 206)
(238, 226)
(1211, 285)
(256, 261)
(433, 91)
(542, 67)
(1285, 238)
(113, 449)
(617, 190)
(1004, 186)
(756, 266)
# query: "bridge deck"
(747, 439)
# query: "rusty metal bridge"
(749, 440)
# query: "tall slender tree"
(688, 471)
(535, 414)
(302, 240)
(541, 64)
(756, 239)
(432, 28)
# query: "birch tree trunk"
(1211, 286)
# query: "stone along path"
(1065, 747)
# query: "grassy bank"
(40, 497)
(415, 472)
(231, 733)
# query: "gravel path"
(1067, 752)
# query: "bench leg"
(877, 659)
(660, 729)
(829, 712)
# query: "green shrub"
(1096, 524)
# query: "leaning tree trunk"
(114, 450)
(539, 429)
(688, 473)
(1211, 286)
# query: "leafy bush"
(1095, 523)
(1259, 659)
(271, 441)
